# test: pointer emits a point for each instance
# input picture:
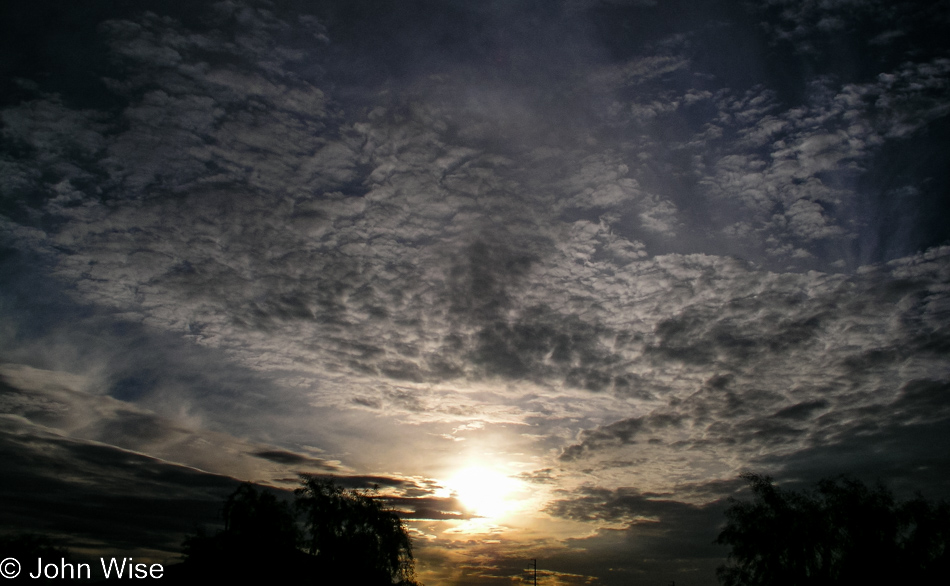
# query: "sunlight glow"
(484, 492)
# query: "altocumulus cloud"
(603, 245)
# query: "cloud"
(654, 534)
(802, 410)
(596, 259)
(796, 171)
(344, 298)
(781, 409)
(626, 505)
(801, 22)
(478, 283)
(99, 496)
(292, 459)
(52, 402)
(586, 4)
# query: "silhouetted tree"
(840, 533)
(352, 533)
(348, 537)
(259, 542)
(259, 517)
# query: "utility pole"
(535, 572)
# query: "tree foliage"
(260, 518)
(352, 529)
(842, 532)
(259, 542)
(331, 535)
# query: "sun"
(483, 491)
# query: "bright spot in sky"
(483, 491)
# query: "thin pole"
(535, 572)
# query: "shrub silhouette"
(842, 532)
(348, 537)
(28, 548)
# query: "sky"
(552, 274)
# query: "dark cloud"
(624, 432)
(479, 283)
(541, 344)
(922, 400)
(875, 26)
(886, 453)
(803, 410)
(411, 498)
(292, 459)
(96, 496)
(657, 536)
(431, 509)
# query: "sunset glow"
(485, 492)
